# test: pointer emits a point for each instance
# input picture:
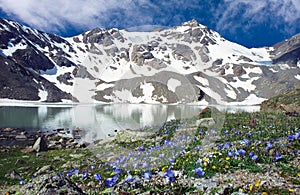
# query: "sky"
(252, 23)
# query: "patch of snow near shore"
(173, 84)
(43, 95)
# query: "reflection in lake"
(99, 120)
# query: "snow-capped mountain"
(174, 65)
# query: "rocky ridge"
(165, 66)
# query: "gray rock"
(12, 174)
(207, 122)
(44, 169)
(40, 145)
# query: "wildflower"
(97, 177)
(22, 182)
(206, 159)
(117, 170)
(147, 174)
(245, 141)
(229, 153)
(199, 171)
(253, 156)
(269, 145)
(201, 132)
(141, 149)
(92, 167)
(214, 167)
(199, 161)
(250, 188)
(227, 158)
(85, 175)
(298, 174)
(111, 181)
(291, 137)
(170, 176)
(226, 131)
(248, 133)
(226, 166)
(291, 190)
(241, 152)
(264, 193)
(278, 156)
(129, 178)
(257, 183)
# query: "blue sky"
(252, 23)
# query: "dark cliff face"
(287, 51)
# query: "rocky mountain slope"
(172, 65)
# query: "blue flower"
(169, 176)
(97, 177)
(145, 165)
(141, 149)
(92, 167)
(129, 178)
(291, 137)
(199, 172)
(245, 141)
(85, 175)
(147, 174)
(22, 182)
(241, 152)
(297, 135)
(269, 145)
(117, 170)
(253, 156)
(226, 131)
(229, 153)
(201, 132)
(110, 182)
(278, 156)
(248, 133)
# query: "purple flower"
(201, 132)
(147, 174)
(226, 131)
(110, 182)
(199, 172)
(297, 135)
(145, 165)
(278, 156)
(97, 177)
(248, 133)
(22, 182)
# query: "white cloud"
(274, 13)
(229, 15)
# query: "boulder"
(40, 145)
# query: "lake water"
(98, 120)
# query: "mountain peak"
(191, 23)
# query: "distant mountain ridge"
(165, 66)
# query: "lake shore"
(252, 153)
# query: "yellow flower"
(298, 174)
(257, 183)
(250, 188)
(227, 158)
(280, 172)
(252, 147)
(291, 190)
(205, 164)
(264, 193)
(226, 166)
(164, 168)
(214, 167)
(206, 159)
